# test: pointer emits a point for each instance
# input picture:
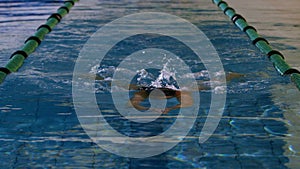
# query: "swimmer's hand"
(163, 111)
(156, 110)
(166, 111)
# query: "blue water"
(39, 127)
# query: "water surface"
(39, 127)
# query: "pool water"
(39, 127)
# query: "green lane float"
(261, 43)
(17, 58)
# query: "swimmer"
(143, 88)
(183, 97)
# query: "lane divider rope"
(17, 58)
(261, 43)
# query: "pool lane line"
(17, 58)
(261, 43)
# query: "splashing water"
(145, 78)
(165, 78)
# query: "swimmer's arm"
(185, 100)
(232, 75)
(137, 99)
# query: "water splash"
(164, 78)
